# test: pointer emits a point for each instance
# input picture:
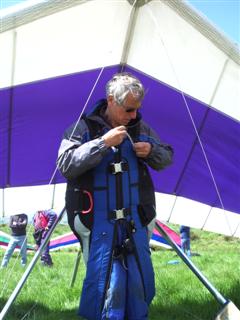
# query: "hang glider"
(4, 241)
(190, 71)
(157, 238)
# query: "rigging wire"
(188, 110)
(172, 208)
(79, 118)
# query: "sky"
(224, 14)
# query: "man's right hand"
(115, 136)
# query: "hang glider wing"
(192, 101)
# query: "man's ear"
(110, 100)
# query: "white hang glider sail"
(57, 54)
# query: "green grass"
(179, 294)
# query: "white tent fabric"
(168, 40)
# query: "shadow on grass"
(184, 310)
(194, 310)
(36, 311)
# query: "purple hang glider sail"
(34, 116)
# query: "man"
(18, 224)
(110, 200)
(43, 221)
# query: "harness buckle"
(119, 213)
(118, 167)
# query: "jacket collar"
(98, 112)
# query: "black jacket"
(18, 224)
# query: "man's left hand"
(142, 149)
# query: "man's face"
(122, 114)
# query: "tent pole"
(218, 296)
(29, 269)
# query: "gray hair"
(123, 83)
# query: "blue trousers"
(15, 241)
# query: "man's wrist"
(102, 144)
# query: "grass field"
(179, 294)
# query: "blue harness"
(119, 250)
(119, 281)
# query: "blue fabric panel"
(137, 307)
(130, 194)
(115, 304)
(126, 293)
(94, 283)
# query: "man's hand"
(115, 136)
(142, 149)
